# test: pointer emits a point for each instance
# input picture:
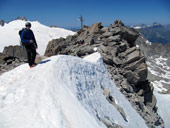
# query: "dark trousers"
(31, 54)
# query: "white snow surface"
(163, 103)
(62, 92)
(137, 27)
(43, 34)
(93, 57)
(163, 100)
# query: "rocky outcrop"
(8, 62)
(16, 51)
(153, 49)
(124, 61)
(12, 57)
(158, 59)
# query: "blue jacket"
(28, 35)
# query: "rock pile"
(124, 61)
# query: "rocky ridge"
(124, 61)
(158, 59)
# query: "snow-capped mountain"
(142, 26)
(70, 96)
(43, 34)
(156, 33)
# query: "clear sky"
(64, 13)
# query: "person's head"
(28, 25)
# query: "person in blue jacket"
(28, 40)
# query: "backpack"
(20, 32)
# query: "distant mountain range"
(155, 33)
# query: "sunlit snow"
(43, 34)
(62, 92)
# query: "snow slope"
(43, 34)
(160, 72)
(62, 92)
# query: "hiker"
(29, 42)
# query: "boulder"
(106, 35)
(132, 57)
(115, 38)
(105, 29)
(126, 86)
(122, 47)
(107, 58)
(112, 44)
(16, 51)
(116, 30)
(130, 50)
(54, 46)
(142, 72)
(117, 61)
(130, 35)
(89, 33)
(131, 77)
(103, 49)
(117, 23)
(2, 58)
(134, 65)
(84, 51)
(150, 100)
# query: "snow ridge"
(70, 96)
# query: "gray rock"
(133, 66)
(117, 23)
(133, 57)
(55, 46)
(117, 61)
(103, 49)
(126, 86)
(130, 50)
(150, 100)
(122, 47)
(105, 29)
(142, 72)
(16, 51)
(130, 35)
(106, 34)
(84, 51)
(116, 30)
(112, 44)
(107, 58)
(115, 38)
(131, 77)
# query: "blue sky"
(64, 13)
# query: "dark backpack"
(20, 32)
